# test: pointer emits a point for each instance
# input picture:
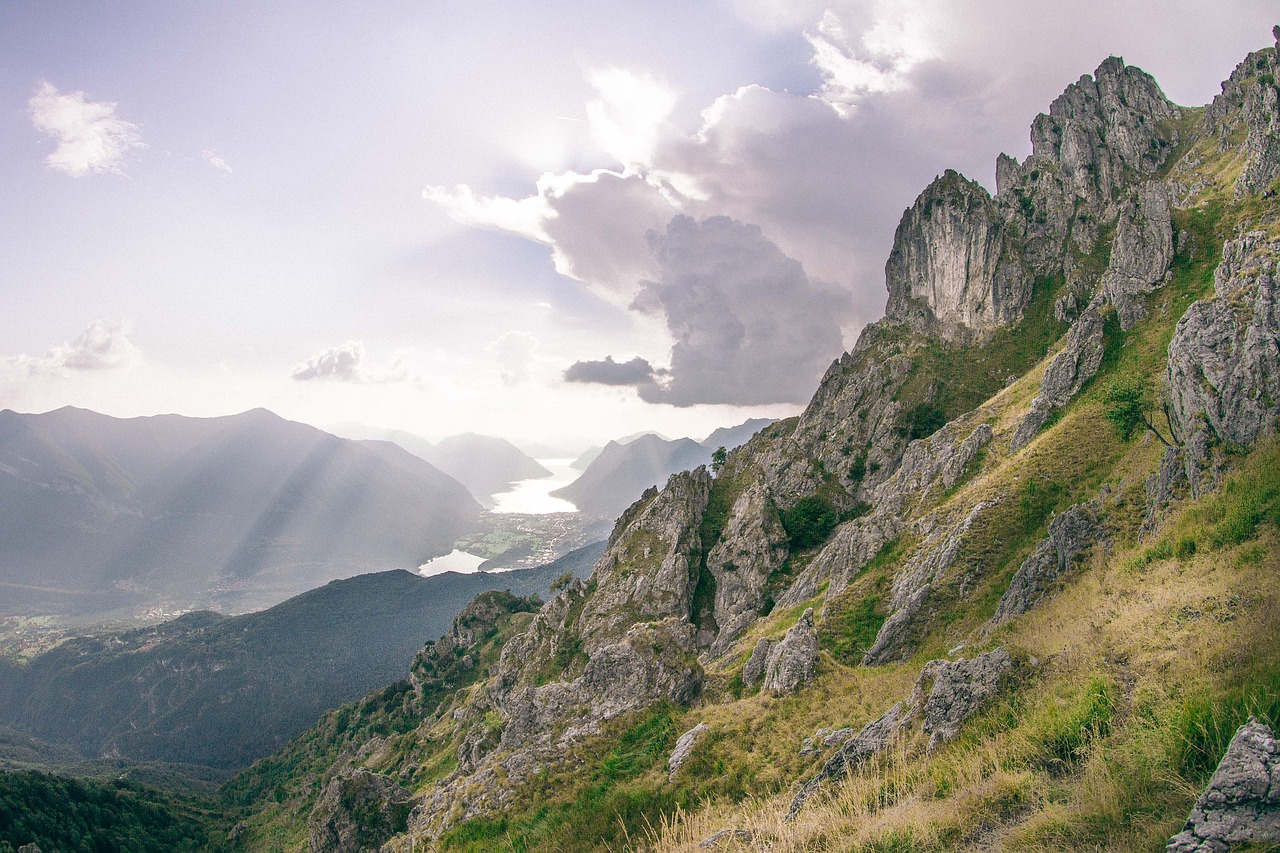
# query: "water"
(455, 561)
(533, 496)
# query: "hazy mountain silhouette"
(235, 512)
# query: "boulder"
(791, 661)
(684, 748)
(756, 664)
(946, 694)
(1241, 805)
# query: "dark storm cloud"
(750, 327)
(637, 371)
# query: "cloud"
(637, 371)
(750, 327)
(896, 41)
(215, 161)
(348, 363)
(514, 352)
(90, 136)
(103, 345)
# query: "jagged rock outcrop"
(444, 663)
(791, 660)
(1141, 253)
(1066, 374)
(1249, 98)
(1103, 130)
(946, 694)
(915, 582)
(1241, 805)
(1102, 133)
(953, 270)
(1071, 533)
(941, 460)
(752, 546)
(753, 671)
(1223, 376)
(647, 571)
(684, 748)
(357, 811)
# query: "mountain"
(621, 472)
(182, 691)
(415, 444)
(589, 455)
(736, 436)
(1008, 582)
(233, 512)
(484, 464)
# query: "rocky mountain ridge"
(951, 479)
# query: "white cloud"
(514, 352)
(880, 60)
(629, 115)
(215, 161)
(90, 136)
(348, 363)
(103, 345)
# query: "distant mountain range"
(220, 691)
(235, 512)
(485, 464)
(616, 476)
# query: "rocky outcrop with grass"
(791, 661)
(946, 694)
(1248, 107)
(946, 479)
(357, 810)
(1224, 359)
(1071, 534)
(1241, 806)
(1070, 369)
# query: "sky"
(559, 222)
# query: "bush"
(809, 522)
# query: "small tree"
(1127, 403)
(718, 458)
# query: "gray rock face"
(1141, 253)
(684, 748)
(913, 585)
(1070, 533)
(1104, 129)
(958, 690)
(1066, 374)
(952, 271)
(1246, 99)
(357, 811)
(941, 460)
(1241, 806)
(753, 672)
(752, 546)
(646, 571)
(791, 661)
(1224, 360)
(946, 694)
